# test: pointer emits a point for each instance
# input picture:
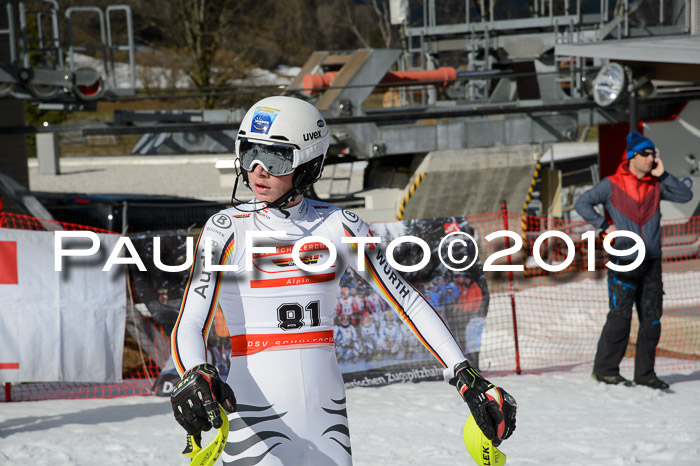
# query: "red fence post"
(8, 391)
(518, 370)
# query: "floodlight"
(610, 85)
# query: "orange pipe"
(443, 76)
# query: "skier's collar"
(295, 212)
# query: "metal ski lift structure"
(496, 86)
(503, 85)
(535, 71)
(476, 94)
(37, 64)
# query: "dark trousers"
(642, 287)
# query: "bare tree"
(205, 26)
(381, 19)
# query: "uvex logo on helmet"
(312, 136)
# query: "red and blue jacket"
(633, 205)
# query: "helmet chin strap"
(280, 204)
(285, 200)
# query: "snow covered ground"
(157, 77)
(563, 419)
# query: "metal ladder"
(570, 80)
(38, 45)
(106, 47)
(479, 43)
(32, 62)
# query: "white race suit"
(284, 372)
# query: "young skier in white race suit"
(289, 406)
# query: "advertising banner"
(374, 346)
(59, 326)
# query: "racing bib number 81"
(292, 315)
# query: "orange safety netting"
(25, 222)
(558, 316)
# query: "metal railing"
(445, 17)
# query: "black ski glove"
(196, 397)
(492, 407)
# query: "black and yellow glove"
(196, 399)
(492, 407)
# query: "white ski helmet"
(284, 135)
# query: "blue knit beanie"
(636, 143)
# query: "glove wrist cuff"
(448, 374)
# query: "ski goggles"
(276, 159)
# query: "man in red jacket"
(631, 197)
